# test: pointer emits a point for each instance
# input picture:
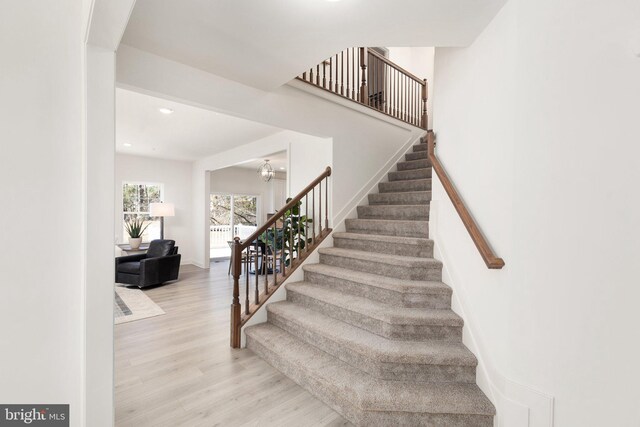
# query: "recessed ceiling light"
(282, 169)
(165, 110)
(126, 144)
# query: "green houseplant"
(293, 230)
(135, 227)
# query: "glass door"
(231, 215)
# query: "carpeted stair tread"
(396, 260)
(382, 238)
(402, 212)
(400, 198)
(389, 283)
(338, 382)
(423, 184)
(422, 173)
(413, 164)
(371, 345)
(389, 227)
(375, 309)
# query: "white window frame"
(145, 236)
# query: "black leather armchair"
(160, 264)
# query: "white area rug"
(132, 304)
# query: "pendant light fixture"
(265, 171)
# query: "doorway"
(231, 215)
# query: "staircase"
(370, 330)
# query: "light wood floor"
(178, 369)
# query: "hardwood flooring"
(178, 369)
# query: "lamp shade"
(162, 209)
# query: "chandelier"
(265, 171)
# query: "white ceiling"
(267, 43)
(188, 133)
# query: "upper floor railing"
(363, 75)
(277, 249)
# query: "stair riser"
(420, 213)
(401, 186)
(431, 272)
(382, 370)
(414, 164)
(402, 332)
(421, 251)
(410, 174)
(400, 198)
(416, 155)
(405, 229)
(390, 297)
(420, 147)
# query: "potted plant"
(135, 227)
(291, 230)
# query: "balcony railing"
(364, 76)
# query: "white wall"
(42, 182)
(418, 61)
(536, 124)
(176, 179)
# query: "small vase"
(135, 242)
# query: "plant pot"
(135, 242)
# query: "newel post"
(236, 256)
(364, 91)
(425, 94)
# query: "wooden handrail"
(491, 260)
(298, 235)
(396, 66)
(364, 76)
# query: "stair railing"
(364, 76)
(277, 249)
(490, 258)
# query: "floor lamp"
(161, 210)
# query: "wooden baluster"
(265, 266)
(311, 75)
(342, 72)
(331, 73)
(425, 120)
(283, 252)
(353, 75)
(348, 72)
(257, 291)
(298, 235)
(246, 277)
(364, 90)
(275, 255)
(324, 74)
(235, 304)
(306, 222)
(291, 230)
(320, 209)
(304, 76)
(326, 204)
(313, 213)
(318, 75)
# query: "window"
(136, 198)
